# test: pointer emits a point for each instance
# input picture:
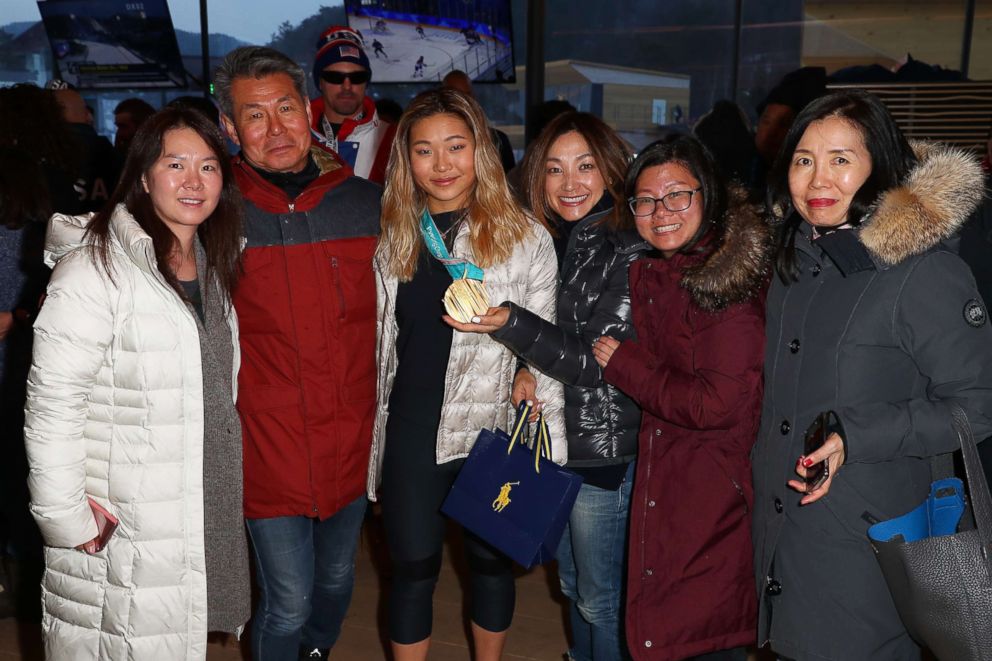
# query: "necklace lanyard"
(457, 268)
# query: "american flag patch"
(349, 51)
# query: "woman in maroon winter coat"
(695, 370)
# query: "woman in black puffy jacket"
(573, 178)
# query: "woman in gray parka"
(873, 319)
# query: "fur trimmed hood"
(938, 196)
(738, 268)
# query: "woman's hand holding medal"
(490, 320)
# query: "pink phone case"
(106, 523)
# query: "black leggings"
(413, 488)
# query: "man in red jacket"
(306, 307)
(344, 118)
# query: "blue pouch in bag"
(937, 516)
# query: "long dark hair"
(891, 160)
(220, 234)
(497, 222)
(690, 153)
(609, 151)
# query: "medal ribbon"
(457, 268)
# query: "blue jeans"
(591, 560)
(306, 572)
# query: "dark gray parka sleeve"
(929, 321)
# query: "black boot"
(316, 653)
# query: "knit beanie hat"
(338, 43)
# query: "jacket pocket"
(78, 583)
(336, 279)
(728, 477)
(256, 259)
(852, 509)
(352, 281)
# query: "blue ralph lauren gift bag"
(513, 496)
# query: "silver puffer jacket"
(480, 370)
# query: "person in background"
(343, 116)
(976, 251)
(878, 327)
(129, 115)
(389, 110)
(130, 407)
(24, 209)
(306, 307)
(574, 175)
(40, 157)
(199, 104)
(437, 389)
(976, 234)
(100, 163)
(459, 80)
(776, 113)
(695, 370)
(725, 132)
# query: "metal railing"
(477, 59)
(958, 113)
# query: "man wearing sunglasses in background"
(343, 117)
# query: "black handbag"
(939, 573)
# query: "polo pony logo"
(503, 499)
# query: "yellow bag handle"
(523, 412)
(542, 444)
(542, 440)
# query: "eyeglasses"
(338, 77)
(675, 201)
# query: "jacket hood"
(65, 234)
(738, 268)
(68, 233)
(938, 196)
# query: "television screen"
(410, 41)
(100, 44)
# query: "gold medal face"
(466, 298)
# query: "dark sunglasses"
(338, 77)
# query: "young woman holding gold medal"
(451, 232)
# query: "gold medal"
(466, 298)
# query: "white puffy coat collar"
(68, 233)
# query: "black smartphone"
(816, 436)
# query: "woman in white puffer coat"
(131, 407)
